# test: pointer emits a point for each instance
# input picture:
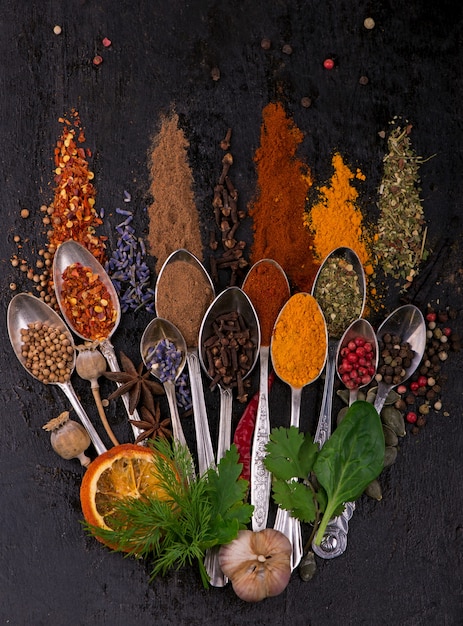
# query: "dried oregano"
(400, 240)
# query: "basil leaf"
(350, 459)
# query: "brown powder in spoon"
(173, 217)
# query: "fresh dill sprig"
(196, 512)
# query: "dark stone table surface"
(403, 564)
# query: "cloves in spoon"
(90, 365)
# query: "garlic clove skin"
(69, 439)
(258, 564)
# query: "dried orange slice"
(124, 471)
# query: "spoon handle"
(225, 415)
(323, 431)
(260, 476)
(290, 526)
(177, 429)
(107, 349)
(381, 395)
(82, 415)
(203, 436)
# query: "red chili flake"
(87, 303)
(97, 59)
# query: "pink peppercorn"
(328, 64)
(411, 417)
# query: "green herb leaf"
(350, 459)
(200, 512)
(296, 498)
(226, 492)
(290, 453)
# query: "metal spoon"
(231, 299)
(70, 252)
(335, 539)
(203, 437)
(408, 323)
(25, 309)
(261, 479)
(284, 522)
(323, 431)
(358, 328)
(157, 330)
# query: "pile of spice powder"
(283, 182)
(335, 220)
(399, 243)
(71, 214)
(173, 217)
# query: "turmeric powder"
(299, 341)
(334, 220)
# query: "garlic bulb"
(258, 564)
(69, 439)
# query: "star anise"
(152, 425)
(137, 385)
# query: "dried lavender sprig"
(127, 269)
(164, 359)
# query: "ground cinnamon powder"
(173, 217)
(283, 182)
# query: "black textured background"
(403, 563)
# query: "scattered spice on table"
(71, 214)
(401, 233)
(87, 303)
(183, 294)
(267, 287)
(227, 249)
(334, 219)
(173, 217)
(339, 295)
(128, 269)
(283, 182)
(299, 341)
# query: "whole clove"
(228, 216)
(230, 353)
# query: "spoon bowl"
(358, 328)
(261, 479)
(408, 323)
(70, 252)
(284, 522)
(335, 539)
(26, 309)
(232, 299)
(351, 257)
(157, 330)
(203, 437)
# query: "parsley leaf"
(290, 453)
(296, 498)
